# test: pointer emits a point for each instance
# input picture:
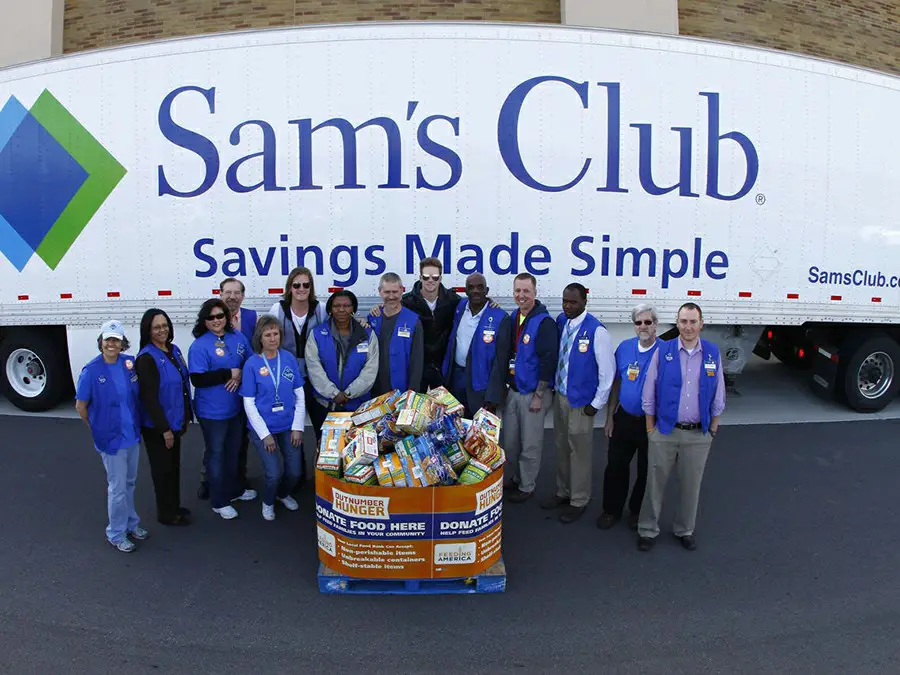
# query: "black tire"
(872, 349)
(52, 355)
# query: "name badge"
(710, 369)
(633, 372)
(220, 351)
(362, 348)
(264, 371)
(584, 344)
(512, 366)
(278, 407)
(403, 332)
(487, 337)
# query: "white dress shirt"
(468, 324)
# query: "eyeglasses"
(215, 317)
(301, 284)
(431, 277)
(645, 322)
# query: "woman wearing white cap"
(107, 400)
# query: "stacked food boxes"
(408, 439)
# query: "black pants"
(629, 437)
(165, 468)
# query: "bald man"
(478, 352)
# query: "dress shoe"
(633, 519)
(645, 543)
(554, 502)
(606, 520)
(183, 512)
(518, 496)
(571, 514)
(510, 487)
(203, 491)
(177, 520)
(688, 542)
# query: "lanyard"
(275, 379)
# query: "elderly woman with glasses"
(216, 359)
(107, 399)
(272, 389)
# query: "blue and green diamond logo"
(54, 176)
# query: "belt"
(629, 415)
(688, 427)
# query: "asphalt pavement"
(796, 572)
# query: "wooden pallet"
(492, 580)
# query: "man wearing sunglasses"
(584, 375)
(436, 307)
(683, 396)
(626, 427)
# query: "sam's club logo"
(54, 176)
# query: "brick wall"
(862, 32)
(865, 33)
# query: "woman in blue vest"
(165, 391)
(216, 359)
(272, 389)
(107, 400)
(342, 356)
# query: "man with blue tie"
(584, 376)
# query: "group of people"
(256, 377)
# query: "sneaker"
(289, 503)
(246, 496)
(125, 546)
(139, 533)
(227, 512)
(268, 511)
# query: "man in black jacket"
(436, 307)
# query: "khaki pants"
(574, 432)
(522, 437)
(687, 451)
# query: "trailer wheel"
(34, 370)
(870, 373)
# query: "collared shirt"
(468, 324)
(689, 402)
(603, 355)
(236, 319)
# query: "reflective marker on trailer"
(828, 355)
(693, 294)
(275, 291)
(112, 294)
(745, 294)
(876, 299)
(23, 297)
(164, 293)
(65, 296)
(793, 296)
(835, 297)
(639, 291)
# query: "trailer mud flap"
(823, 378)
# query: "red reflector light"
(801, 353)
(459, 289)
(334, 289)
(112, 294)
(639, 291)
(164, 294)
(65, 296)
(23, 297)
(276, 291)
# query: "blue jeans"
(121, 475)
(279, 481)
(223, 444)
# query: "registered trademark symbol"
(760, 199)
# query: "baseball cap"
(112, 329)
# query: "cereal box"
(375, 408)
(443, 396)
(361, 475)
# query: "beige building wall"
(30, 30)
(861, 32)
(655, 16)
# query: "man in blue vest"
(584, 375)
(683, 396)
(532, 366)
(626, 426)
(477, 356)
(401, 347)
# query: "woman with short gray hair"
(272, 389)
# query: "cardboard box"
(443, 397)
(375, 408)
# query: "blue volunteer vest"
(328, 355)
(631, 391)
(399, 347)
(583, 378)
(483, 348)
(104, 414)
(171, 383)
(668, 384)
(527, 361)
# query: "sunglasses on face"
(215, 317)
(300, 284)
(645, 322)
(431, 277)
